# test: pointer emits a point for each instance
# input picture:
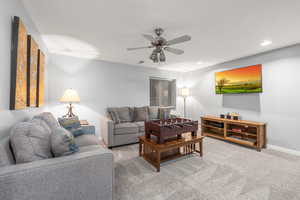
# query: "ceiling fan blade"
(136, 48)
(149, 37)
(181, 39)
(173, 50)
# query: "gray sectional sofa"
(123, 125)
(85, 175)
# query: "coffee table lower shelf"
(156, 154)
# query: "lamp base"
(70, 112)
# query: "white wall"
(103, 84)
(100, 85)
(9, 9)
(278, 105)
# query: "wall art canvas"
(18, 94)
(241, 80)
(32, 68)
(41, 79)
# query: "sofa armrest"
(107, 131)
(88, 129)
(86, 175)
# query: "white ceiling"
(221, 30)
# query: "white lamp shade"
(70, 96)
(185, 92)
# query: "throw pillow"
(114, 115)
(141, 114)
(63, 142)
(30, 142)
(72, 124)
(153, 112)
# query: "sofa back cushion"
(121, 115)
(114, 115)
(30, 142)
(86, 140)
(41, 123)
(141, 114)
(72, 124)
(49, 119)
(153, 112)
(125, 114)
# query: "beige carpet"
(227, 172)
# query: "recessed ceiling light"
(266, 43)
(199, 63)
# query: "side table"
(87, 128)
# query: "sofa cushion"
(141, 126)
(6, 156)
(90, 148)
(121, 115)
(126, 139)
(126, 128)
(30, 142)
(49, 119)
(72, 124)
(63, 142)
(141, 114)
(86, 140)
(153, 112)
(114, 114)
(41, 123)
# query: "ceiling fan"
(160, 45)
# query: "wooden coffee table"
(156, 153)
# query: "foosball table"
(164, 129)
(170, 141)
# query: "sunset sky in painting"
(251, 73)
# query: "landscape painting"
(241, 80)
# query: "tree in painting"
(221, 83)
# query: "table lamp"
(70, 96)
(184, 92)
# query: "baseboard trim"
(285, 150)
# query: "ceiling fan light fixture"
(162, 57)
(152, 56)
(156, 59)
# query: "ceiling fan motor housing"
(159, 31)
